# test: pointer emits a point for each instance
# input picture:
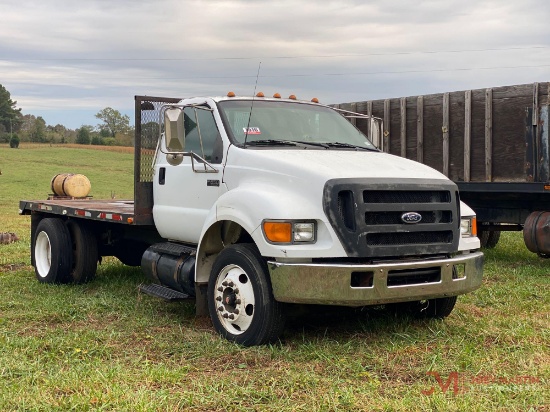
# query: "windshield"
(274, 121)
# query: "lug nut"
(236, 311)
(231, 316)
(220, 289)
(219, 298)
(237, 302)
(220, 308)
(236, 290)
(225, 315)
(224, 283)
(231, 284)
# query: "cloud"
(61, 54)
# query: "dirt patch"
(11, 267)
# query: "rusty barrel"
(72, 185)
(536, 232)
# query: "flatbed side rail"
(108, 211)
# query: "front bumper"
(332, 284)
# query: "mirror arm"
(199, 130)
(208, 168)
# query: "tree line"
(15, 127)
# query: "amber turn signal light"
(278, 232)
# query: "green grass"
(103, 346)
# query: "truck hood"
(318, 166)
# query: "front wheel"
(240, 297)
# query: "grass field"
(103, 346)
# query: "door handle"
(162, 175)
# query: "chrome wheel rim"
(234, 299)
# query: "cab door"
(185, 187)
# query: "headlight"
(289, 232)
(468, 226)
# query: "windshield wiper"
(351, 146)
(319, 144)
(270, 142)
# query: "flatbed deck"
(117, 211)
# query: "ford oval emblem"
(411, 217)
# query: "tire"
(492, 239)
(85, 254)
(52, 251)
(240, 297)
(488, 239)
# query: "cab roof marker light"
(292, 97)
(277, 96)
(260, 94)
(315, 100)
(230, 94)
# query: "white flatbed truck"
(250, 203)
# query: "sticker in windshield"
(252, 130)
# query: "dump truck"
(251, 205)
(492, 142)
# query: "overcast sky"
(65, 60)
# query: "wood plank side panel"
(456, 136)
(403, 126)
(477, 158)
(488, 135)
(433, 122)
(535, 104)
(420, 129)
(467, 133)
(509, 149)
(386, 117)
(445, 134)
(411, 129)
(467, 130)
(395, 127)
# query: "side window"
(211, 139)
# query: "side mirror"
(375, 129)
(174, 130)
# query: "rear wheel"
(52, 251)
(240, 298)
(85, 255)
